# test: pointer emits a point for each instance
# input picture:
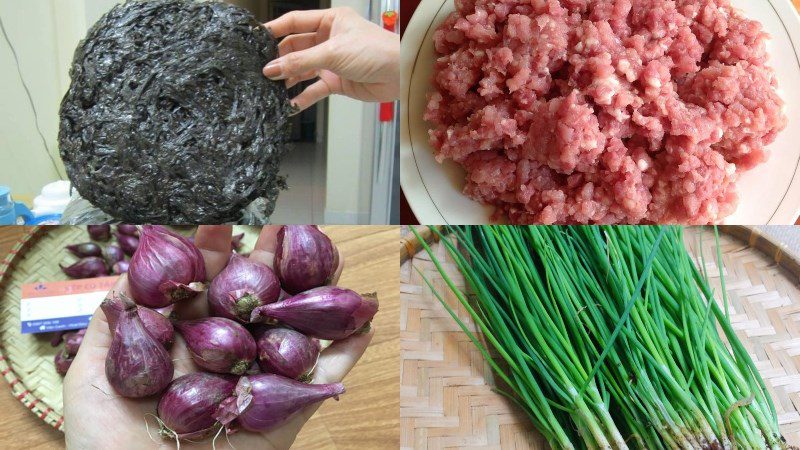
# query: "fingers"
(299, 62)
(297, 22)
(297, 42)
(337, 360)
(214, 242)
(303, 77)
(328, 84)
(264, 250)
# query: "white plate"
(769, 194)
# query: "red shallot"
(287, 352)
(137, 365)
(154, 322)
(305, 258)
(326, 312)
(218, 344)
(166, 268)
(90, 267)
(187, 407)
(262, 402)
(243, 285)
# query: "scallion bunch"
(609, 337)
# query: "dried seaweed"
(168, 118)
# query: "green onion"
(608, 337)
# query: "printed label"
(61, 305)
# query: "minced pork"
(603, 111)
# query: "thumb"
(297, 63)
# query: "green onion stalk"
(608, 337)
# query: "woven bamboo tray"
(26, 361)
(446, 399)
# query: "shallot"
(128, 244)
(73, 341)
(156, 324)
(99, 232)
(90, 267)
(243, 285)
(326, 312)
(128, 229)
(120, 267)
(137, 365)
(166, 268)
(262, 402)
(218, 344)
(287, 352)
(62, 362)
(113, 254)
(85, 249)
(187, 407)
(305, 258)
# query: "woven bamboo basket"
(26, 360)
(446, 397)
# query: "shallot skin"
(187, 407)
(218, 344)
(243, 285)
(165, 268)
(137, 365)
(326, 312)
(156, 323)
(305, 258)
(287, 352)
(262, 402)
(113, 254)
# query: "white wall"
(44, 34)
(350, 147)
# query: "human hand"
(96, 417)
(350, 55)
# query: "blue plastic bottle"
(10, 211)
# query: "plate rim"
(413, 186)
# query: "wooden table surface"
(367, 415)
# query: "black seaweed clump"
(168, 118)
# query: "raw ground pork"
(603, 111)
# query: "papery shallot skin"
(166, 268)
(243, 285)
(305, 258)
(188, 406)
(218, 344)
(287, 352)
(137, 365)
(262, 402)
(154, 322)
(326, 312)
(90, 267)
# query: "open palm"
(96, 417)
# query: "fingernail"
(294, 109)
(273, 70)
